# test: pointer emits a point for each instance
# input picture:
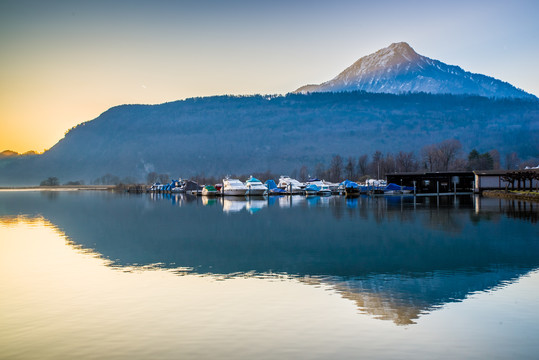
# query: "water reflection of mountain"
(394, 259)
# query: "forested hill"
(243, 134)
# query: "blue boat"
(312, 189)
(273, 189)
(392, 189)
(350, 188)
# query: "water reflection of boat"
(255, 204)
(234, 204)
(351, 202)
(208, 201)
(272, 200)
(313, 200)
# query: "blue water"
(105, 275)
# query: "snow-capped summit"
(399, 69)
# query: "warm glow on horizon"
(64, 62)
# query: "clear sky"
(65, 62)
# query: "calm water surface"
(93, 275)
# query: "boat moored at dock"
(350, 188)
(273, 189)
(209, 190)
(233, 187)
(255, 187)
(290, 186)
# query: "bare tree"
(406, 162)
(376, 164)
(388, 165)
(303, 173)
(512, 161)
(441, 157)
(428, 157)
(362, 165)
(448, 152)
(335, 169)
(163, 178)
(152, 177)
(50, 181)
(350, 169)
(495, 159)
(319, 171)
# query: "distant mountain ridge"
(247, 134)
(399, 69)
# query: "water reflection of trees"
(489, 209)
(521, 210)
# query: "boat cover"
(271, 184)
(392, 186)
(350, 184)
(312, 187)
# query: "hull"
(208, 193)
(294, 191)
(234, 192)
(256, 192)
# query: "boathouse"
(435, 182)
(526, 179)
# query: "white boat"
(291, 186)
(317, 187)
(255, 187)
(233, 187)
(334, 188)
(324, 190)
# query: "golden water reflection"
(63, 301)
(40, 244)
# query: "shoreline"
(512, 195)
(59, 188)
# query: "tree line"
(443, 156)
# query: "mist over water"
(165, 276)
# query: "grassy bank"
(513, 195)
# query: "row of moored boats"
(285, 186)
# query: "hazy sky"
(65, 62)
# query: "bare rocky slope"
(399, 69)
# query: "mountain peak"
(399, 69)
(400, 46)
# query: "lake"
(93, 275)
